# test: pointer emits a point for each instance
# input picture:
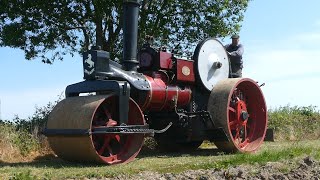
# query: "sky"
(281, 40)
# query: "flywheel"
(79, 114)
(237, 105)
(211, 63)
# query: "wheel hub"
(244, 115)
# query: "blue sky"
(281, 40)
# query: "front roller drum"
(238, 107)
(80, 114)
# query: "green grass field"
(49, 167)
(25, 155)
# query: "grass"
(21, 142)
(54, 168)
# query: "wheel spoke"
(110, 150)
(106, 112)
(244, 143)
(233, 125)
(244, 123)
(117, 138)
(105, 145)
(111, 123)
(232, 109)
(245, 131)
(237, 136)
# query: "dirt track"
(306, 168)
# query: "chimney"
(130, 31)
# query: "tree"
(49, 29)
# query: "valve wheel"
(83, 113)
(238, 106)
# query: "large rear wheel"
(238, 106)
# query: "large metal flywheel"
(211, 63)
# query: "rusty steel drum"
(75, 114)
(238, 106)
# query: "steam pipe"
(130, 31)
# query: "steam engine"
(152, 92)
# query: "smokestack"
(130, 31)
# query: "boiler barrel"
(164, 97)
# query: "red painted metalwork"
(247, 116)
(164, 96)
(116, 148)
(165, 60)
(185, 70)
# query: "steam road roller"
(151, 92)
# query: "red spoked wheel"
(117, 148)
(85, 113)
(238, 106)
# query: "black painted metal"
(136, 80)
(131, 129)
(124, 95)
(113, 70)
(217, 135)
(95, 61)
(130, 31)
(120, 88)
(94, 86)
(269, 135)
(66, 132)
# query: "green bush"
(22, 140)
(295, 123)
(34, 124)
(289, 123)
(7, 132)
(26, 142)
(25, 134)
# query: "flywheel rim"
(208, 54)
